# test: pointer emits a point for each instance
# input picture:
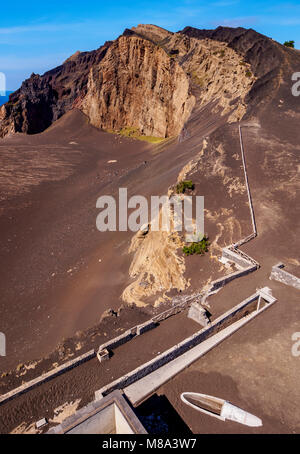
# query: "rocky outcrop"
(43, 99)
(266, 57)
(261, 52)
(138, 85)
(217, 73)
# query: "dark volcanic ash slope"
(50, 288)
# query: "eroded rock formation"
(137, 84)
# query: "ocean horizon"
(5, 98)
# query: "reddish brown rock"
(137, 84)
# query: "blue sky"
(36, 36)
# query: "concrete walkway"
(138, 391)
(247, 182)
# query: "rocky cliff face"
(137, 84)
(216, 72)
(150, 79)
(43, 99)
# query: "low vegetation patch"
(289, 44)
(134, 133)
(248, 73)
(184, 185)
(196, 79)
(197, 248)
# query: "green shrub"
(197, 248)
(183, 185)
(289, 44)
(248, 73)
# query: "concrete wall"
(226, 319)
(121, 425)
(144, 327)
(218, 283)
(279, 274)
(113, 343)
(140, 390)
(245, 240)
(235, 257)
(47, 376)
(172, 311)
(102, 422)
(119, 340)
(247, 265)
(109, 420)
(110, 415)
(140, 329)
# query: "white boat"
(220, 409)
